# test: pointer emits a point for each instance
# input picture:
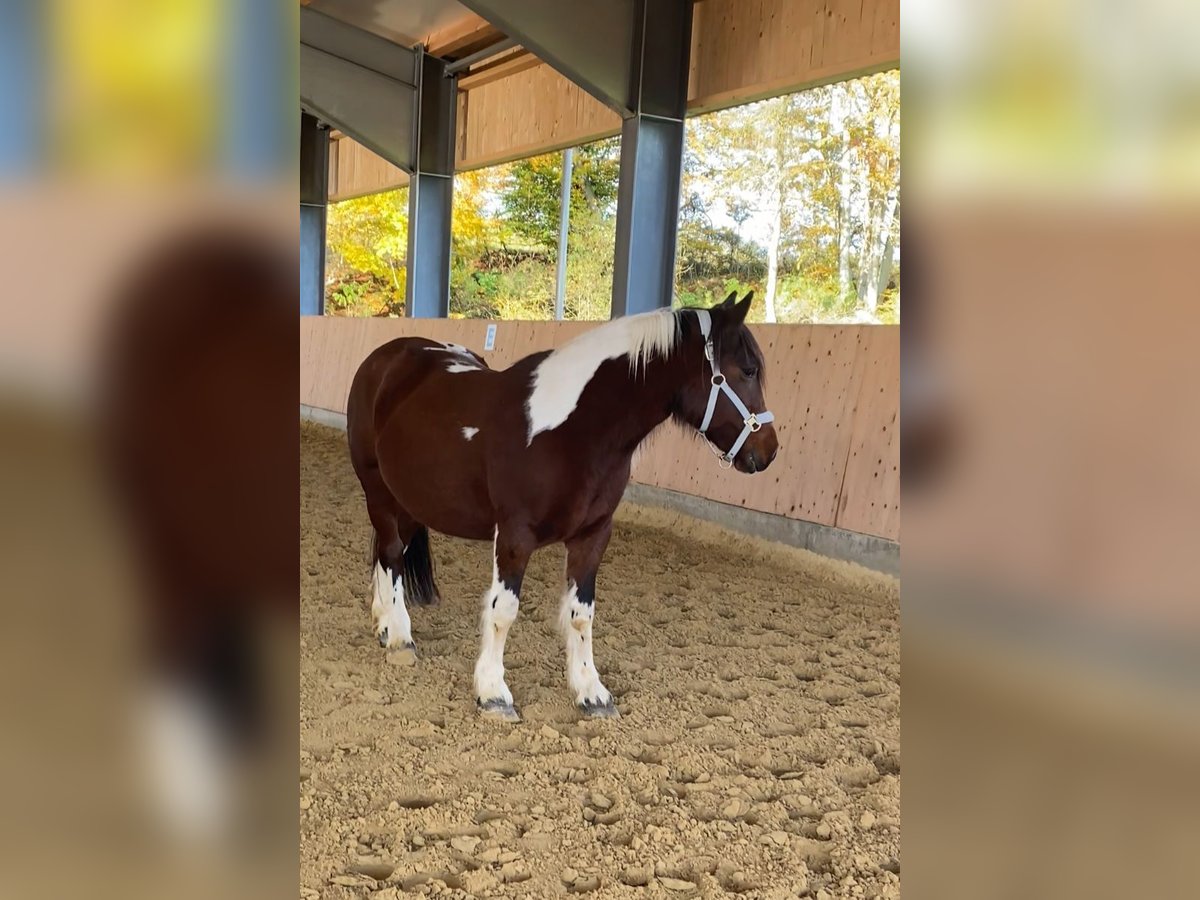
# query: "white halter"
(753, 421)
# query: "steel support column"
(647, 214)
(431, 192)
(257, 140)
(314, 195)
(22, 87)
(633, 56)
(652, 158)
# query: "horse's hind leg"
(578, 609)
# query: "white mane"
(560, 378)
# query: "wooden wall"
(527, 113)
(742, 50)
(354, 171)
(750, 49)
(834, 390)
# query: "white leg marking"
(388, 609)
(575, 622)
(499, 612)
(187, 765)
(469, 433)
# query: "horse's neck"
(643, 401)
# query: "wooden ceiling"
(458, 34)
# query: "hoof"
(498, 710)
(382, 635)
(599, 710)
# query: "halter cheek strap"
(753, 421)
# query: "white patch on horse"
(499, 612)
(450, 348)
(388, 609)
(463, 359)
(575, 623)
(560, 378)
(469, 433)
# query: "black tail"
(418, 571)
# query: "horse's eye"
(750, 373)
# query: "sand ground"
(757, 753)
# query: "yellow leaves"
(369, 235)
(134, 87)
(469, 228)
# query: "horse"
(538, 454)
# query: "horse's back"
(390, 373)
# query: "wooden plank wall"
(835, 391)
(354, 171)
(527, 113)
(750, 49)
(742, 50)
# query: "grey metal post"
(652, 159)
(431, 192)
(633, 56)
(22, 87)
(564, 223)
(257, 137)
(314, 195)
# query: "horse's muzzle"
(760, 451)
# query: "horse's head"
(745, 435)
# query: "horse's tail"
(418, 570)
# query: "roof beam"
(493, 70)
(591, 42)
(470, 35)
(364, 85)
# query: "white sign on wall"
(489, 342)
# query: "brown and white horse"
(538, 454)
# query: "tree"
(815, 177)
(367, 239)
(530, 195)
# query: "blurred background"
(1050, 439)
(148, 469)
(1051, 605)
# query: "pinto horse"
(538, 454)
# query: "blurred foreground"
(1051, 616)
(148, 450)
(1051, 432)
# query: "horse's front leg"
(576, 616)
(511, 554)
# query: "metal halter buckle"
(752, 423)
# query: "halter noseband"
(753, 421)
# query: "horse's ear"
(727, 303)
(740, 310)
